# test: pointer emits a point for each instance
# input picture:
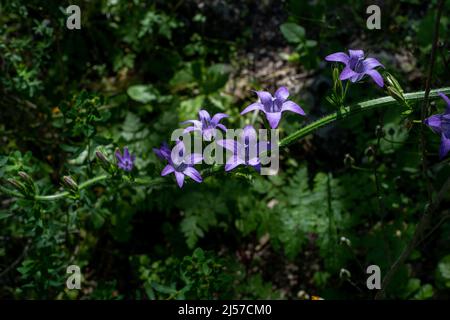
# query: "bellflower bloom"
(273, 107)
(206, 125)
(182, 164)
(125, 161)
(246, 150)
(440, 124)
(356, 67)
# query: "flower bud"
(379, 133)
(344, 274)
(104, 162)
(70, 183)
(346, 241)
(370, 151)
(28, 181)
(349, 161)
(25, 176)
(17, 185)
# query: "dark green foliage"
(137, 69)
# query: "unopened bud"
(101, 156)
(104, 162)
(349, 161)
(346, 241)
(25, 176)
(17, 185)
(370, 151)
(344, 274)
(70, 183)
(379, 133)
(29, 183)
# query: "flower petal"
(253, 162)
(126, 154)
(208, 133)
(180, 178)
(293, 107)
(228, 144)
(190, 129)
(266, 99)
(371, 63)
(248, 133)
(196, 123)
(118, 155)
(167, 169)
(193, 174)
(282, 94)
(445, 146)
(194, 158)
(347, 73)
(376, 76)
(204, 116)
(252, 107)
(434, 122)
(217, 117)
(273, 118)
(232, 163)
(221, 126)
(446, 99)
(356, 54)
(338, 57)
(357, 77)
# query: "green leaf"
(216, 78)
(5, 214)
(443, 272)
(142, 93)
(425, 292)
(163, 289)
(293, 32)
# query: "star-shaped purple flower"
(274, 106)
(246, 150)
(206, 125)
(356, 67)
(125, 161)
(440, 124)
(181, 164)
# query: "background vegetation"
(138, 68)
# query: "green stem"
(346, 112)
(343, 113)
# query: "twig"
(424, 110)
(17, 261)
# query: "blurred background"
(134, 71)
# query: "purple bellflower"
(356, 67)
(440, 124)
(273, 107)
(206, 125)
(246, 150)
(180, 163)
(125, 161)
